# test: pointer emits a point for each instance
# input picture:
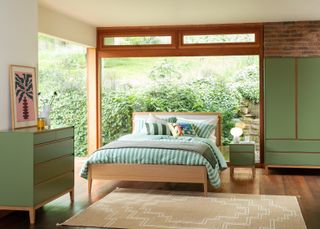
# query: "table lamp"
(236, 132)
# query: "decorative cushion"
(182, 129)
(203, 129)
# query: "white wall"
(64, 27)
(18, 45)
(184, 12)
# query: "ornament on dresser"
(46, 104)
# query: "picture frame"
(24, 96)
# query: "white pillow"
(139, 125)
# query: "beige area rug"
(132, 208)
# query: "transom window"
(137, 40)
(218, 38)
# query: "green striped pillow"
(202, 129)
(157, 128)
(170, 119)
(139, 123)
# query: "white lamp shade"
(236, 132)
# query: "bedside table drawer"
(241, 148)
(242, 159)
(52, 150)
(53, 168)
(242, 154)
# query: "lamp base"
(236, 140)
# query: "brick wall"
(292, 39)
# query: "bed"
(160, 158)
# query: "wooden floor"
(302, 183)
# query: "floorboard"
(302, 183)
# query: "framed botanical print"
(24, 100)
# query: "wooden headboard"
(187, 115)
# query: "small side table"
(242, 155)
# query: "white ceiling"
(184, 12)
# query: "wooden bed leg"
(89, 186)
(89, 181)
(72, 195)
(32, 215)
(205, 188)
(266, 170)
(205, 182)
(231, 170)
(253, 172)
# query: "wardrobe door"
(309, 98)
(279, 98)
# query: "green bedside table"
(242, 155)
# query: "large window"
(227, 84)
(62, 69)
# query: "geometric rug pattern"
(146, 209)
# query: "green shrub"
(117, 108)
(70, 109)
(171, 98)
(218, 96)
(248, 83)
(202, 95)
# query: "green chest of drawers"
(36, 167)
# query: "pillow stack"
(154, 125)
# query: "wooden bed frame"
(156, 173)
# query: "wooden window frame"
(177, 48)
(219, 44)
(129, 33)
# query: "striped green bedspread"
(160, 156)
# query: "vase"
(46, 115)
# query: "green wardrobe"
(292, 111)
